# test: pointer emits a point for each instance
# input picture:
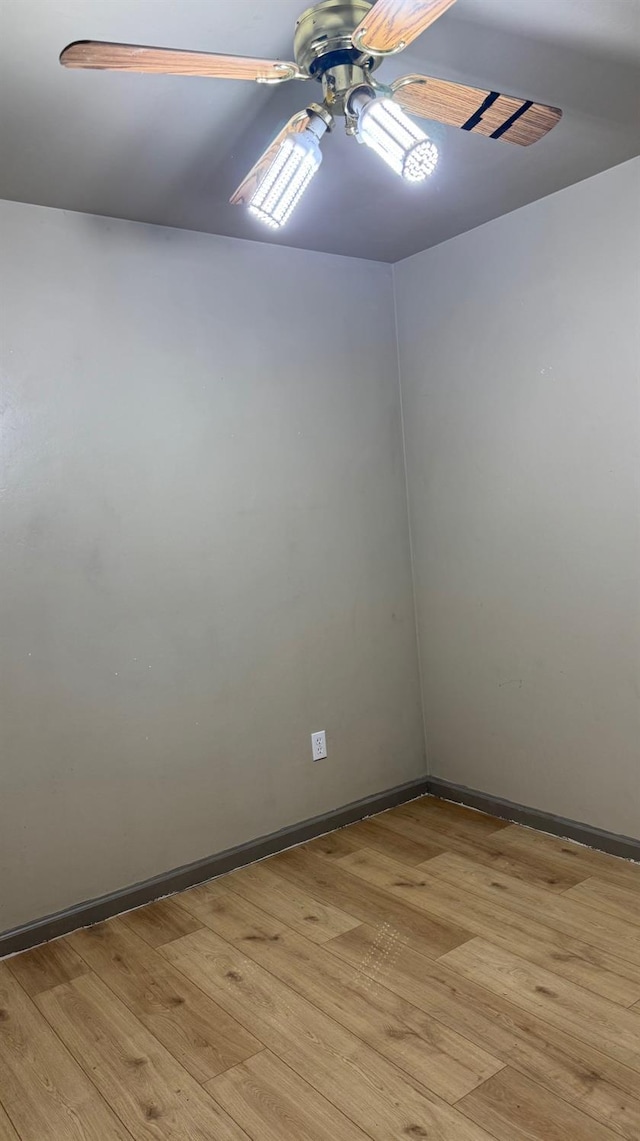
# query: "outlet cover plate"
(319, 745)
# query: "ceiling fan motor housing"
(322, 39)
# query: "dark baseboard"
(95, 910)
(624, 846)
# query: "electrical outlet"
(319, 745)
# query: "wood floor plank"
(317, 921)
(272, 1103)
(47, 966)
(609, 898)
(199, 1034)
(513, 1108)
(331, 845)
(45, 1093)
(569, 856)
(443, 818)
(7, 1132)
(335, 884)
(144, 1084)
(613, 936)
(444, 1060)
(372, 834)
(611, 1028)
(160, 922)
(492, 919)
(485, 849)
(576, 1071)
(368, 1089)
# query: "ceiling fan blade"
(170, 61)
(392, 25)
(506, 117)
(247, 188)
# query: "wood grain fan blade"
(170, 61)
(489, 113)
(247, 188)
(392, 25)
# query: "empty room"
(319, 570)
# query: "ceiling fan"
(339, 44)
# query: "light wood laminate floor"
(428, 973)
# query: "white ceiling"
(170, 150)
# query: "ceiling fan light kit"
(383, 126)
(294, 164)
(339, 44)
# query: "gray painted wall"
(204, 545)
(520, 362)
(203, 549)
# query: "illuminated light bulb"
(384, 127)
(296, 161)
